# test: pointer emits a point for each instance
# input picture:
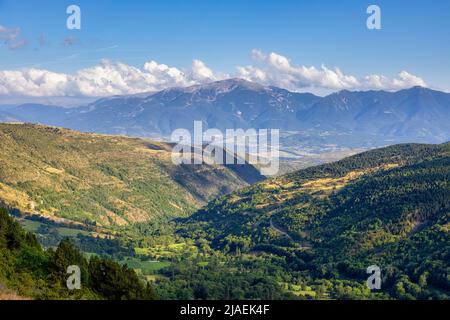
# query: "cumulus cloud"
(277, 70)
(33, 82)
(106, 79)
(404, 80)
(115, 78)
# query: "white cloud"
(404, 80)
(33, 82)
(105, 79)
(201, 73)
(115, 78)
(277, 70)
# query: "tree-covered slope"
(29, 272)
(104, 180)
(389, 207)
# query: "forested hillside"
(29, 272)
(104, 181)
(389, 207)
(306, 235)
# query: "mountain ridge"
(368, 118)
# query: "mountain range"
(345, 119)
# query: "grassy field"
(33, 226)
(145, 267)
(298, 290)
(30, 225)
(169, 251)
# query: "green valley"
(310, 234)
(325, 225)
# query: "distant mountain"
(341, 120)
(417, 114)
(108, 181)
(7, 117)
(225, 104)
(38, 113)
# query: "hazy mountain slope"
(38, 113)
(389, 207)
(103, 180)
(417, 114)
(309, 124)
(7, 117)
(225, 104)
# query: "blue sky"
(222, 34)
